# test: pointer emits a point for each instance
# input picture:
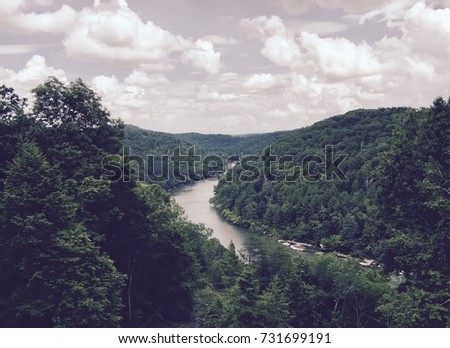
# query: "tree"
(301, 294)
(76, 130)
(13, 126)
(273, 306)
(414, 206)
(11, 105)
(242, 300)
(51, 272)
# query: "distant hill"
(144, 142)
(228, 145)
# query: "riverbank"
(305, 247)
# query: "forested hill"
(393, 205)
(79, 248)
(229, 145)
(309, 207)
(143, 142)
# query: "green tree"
(242, 300)
(301, 294)
(51, 272)
(414, 206)
(75, 129)
(273, 306)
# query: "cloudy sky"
(234, 66)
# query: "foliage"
(79, 249)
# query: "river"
(194, 199)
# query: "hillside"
(390, 200)
(333, 211)
(142, 142)
(229, 145)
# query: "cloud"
(142, 79)
(13, 18)
(294, 73)
(280, 46)
(8, 8)
(340, 57)
(361, 11)
(203, 56)
(17, 49)
(389, 11)
(112, 33)
(43, 2)
(354, 7)
(35, 72)
(330, 57)
(427, 31)
(318, 27)
(264, 81)
(293, 7)
(140, 98)
(115, 34)
(204, 93)
(220, 40)
(331, 75)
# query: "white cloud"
(35, 72)
(340, 57)
(334, 75)
(392, 12)
(220, 40)
(203, 56)
(17, 49)
(142, 79)
(308, 73)
(141, 99)
(115, 34)
(112, 33)
(427, 31)
(389, 9)
(318, 27)
(204, 93)
(264, 26)
(264, 81)
(13, 17)
(43, 2)
(280, 46)
(353, 6)
(10, 7)
(330, 57)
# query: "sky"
(234, 66)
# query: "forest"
(79, 248)
(143, 143)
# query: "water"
(194, 199)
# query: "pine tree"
(51, 273)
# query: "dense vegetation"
(393, 204)
(144, 143)
(81, 248)
(78, 249)
(333, 211)
(227, 146)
